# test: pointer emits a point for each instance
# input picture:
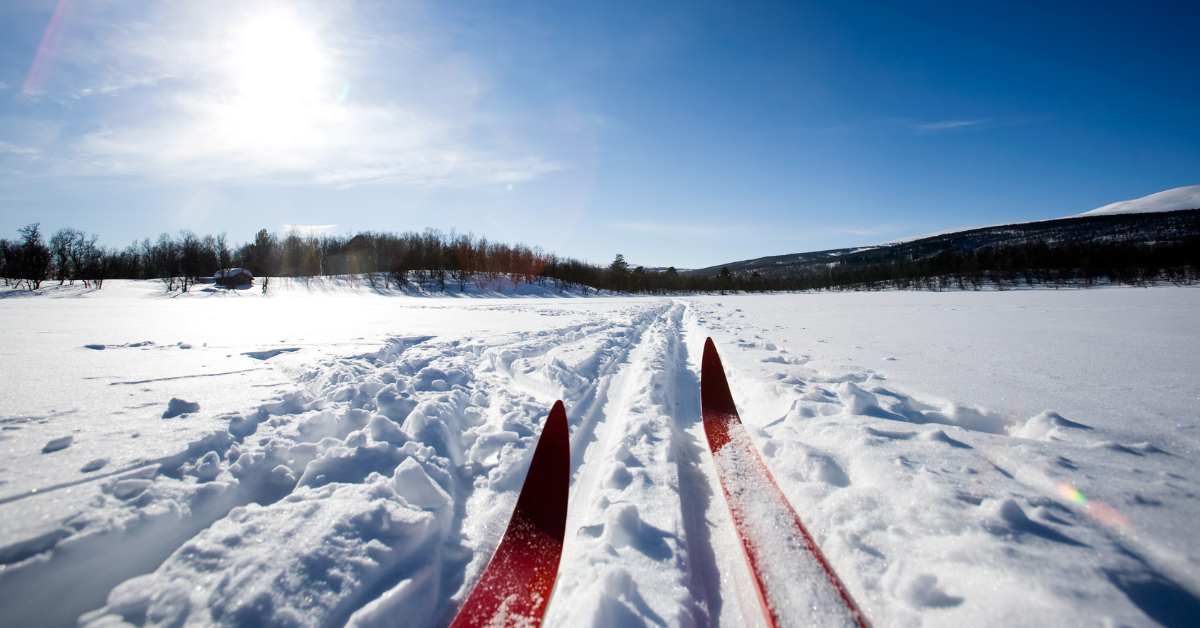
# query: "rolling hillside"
(1135, 222)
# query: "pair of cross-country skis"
(795, 584)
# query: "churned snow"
(329, 454)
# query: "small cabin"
(233, 277)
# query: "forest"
(1134, 249)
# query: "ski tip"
(556, 426)
(716, 402)
(544, 496)
(710, 366)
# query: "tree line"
(430, 260)
(433, 260)
(1002, 266)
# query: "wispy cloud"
(6, 147)
(946, 125)
(671, 228)
(857, 231)
(308, 229)
(316, 92)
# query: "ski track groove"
(344, 385)
(624, 502)
(629, 385)
(649, 537)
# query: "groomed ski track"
(649, 537)
(374, 488)
(648, 531)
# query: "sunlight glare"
(279, 72)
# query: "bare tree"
(223, 254)
(79, 250)
(62, 244)
(35, 257)
(166, 260)
(6, 261)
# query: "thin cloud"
(670, 229)
(946, 125)
(13, 149)
(308, 229)
(118, 84)
(269, 91)
(857, 231)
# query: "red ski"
(516, 585)
(795, 584)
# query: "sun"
(278, 74)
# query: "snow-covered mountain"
(1105, 224)
(1187, 197)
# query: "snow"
(345, 455)
(232, 272)
(1187, 197)
(796, 586)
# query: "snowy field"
(327, 455)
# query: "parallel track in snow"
(376, 485)
(648, 535)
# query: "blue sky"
(676, 133)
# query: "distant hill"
(1168, 201)
(1187, 197)
(1170, 217)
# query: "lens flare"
(37, 71)
(1095, 508)
(1071, 494)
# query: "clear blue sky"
(677, 133)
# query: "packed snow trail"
(795, 583)
(373, 482)
(628, 560)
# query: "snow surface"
(1167, 201)
(329, 454)
(796, 586)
